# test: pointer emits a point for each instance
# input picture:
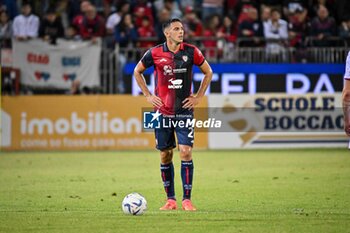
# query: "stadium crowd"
(138, 22)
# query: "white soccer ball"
(134, 204)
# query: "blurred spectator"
(10, 6)
(105, 7)
(344, 30)
(93, 25)
(146, 31)
(51, 27)
(192, 24)
(163, 16)
(329, 4)
(276, 29)
(76, 8)
(141, 9)
(123, 7)
(251, 29)
(298, 28)
(291, 6)
(228, 31)
(79, 18)
(71, 34)
(171, 5)
(210, 32)
(265, 14)
(189, 3)
(6, 32)
(243, 7)
(126, 36)
(174, 8)
(211, 7)
(229, 9)
(26, 25)
(125, 32)
(322, 27)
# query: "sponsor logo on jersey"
(181, 70)
(168, 70)
(175, 84)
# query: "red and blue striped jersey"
(173, 74)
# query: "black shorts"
(178, 124)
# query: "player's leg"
(167, 172)
(186, 175)
(186, 170)
(185, 137)
(165, 140)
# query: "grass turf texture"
(234, 191)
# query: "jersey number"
(190, 134)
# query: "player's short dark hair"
(169, 22)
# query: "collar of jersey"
(166, 49)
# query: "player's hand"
(190, 102)
(155, 101)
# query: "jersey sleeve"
(147, 59)
(198, 58)
(347, 67)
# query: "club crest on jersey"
(185, 58)
(167, 70)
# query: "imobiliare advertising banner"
(277, 121)
(93, 122)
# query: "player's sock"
(167, 172)
(187, 176)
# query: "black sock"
(167, 173)
(187, 176)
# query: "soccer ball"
(134, 203)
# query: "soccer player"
(173, 62)
(346, 96)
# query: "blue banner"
(236, 78)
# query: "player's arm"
(140, 79)
(346, 106)
(208, 75)
(192, 101)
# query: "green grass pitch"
(234, 191)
